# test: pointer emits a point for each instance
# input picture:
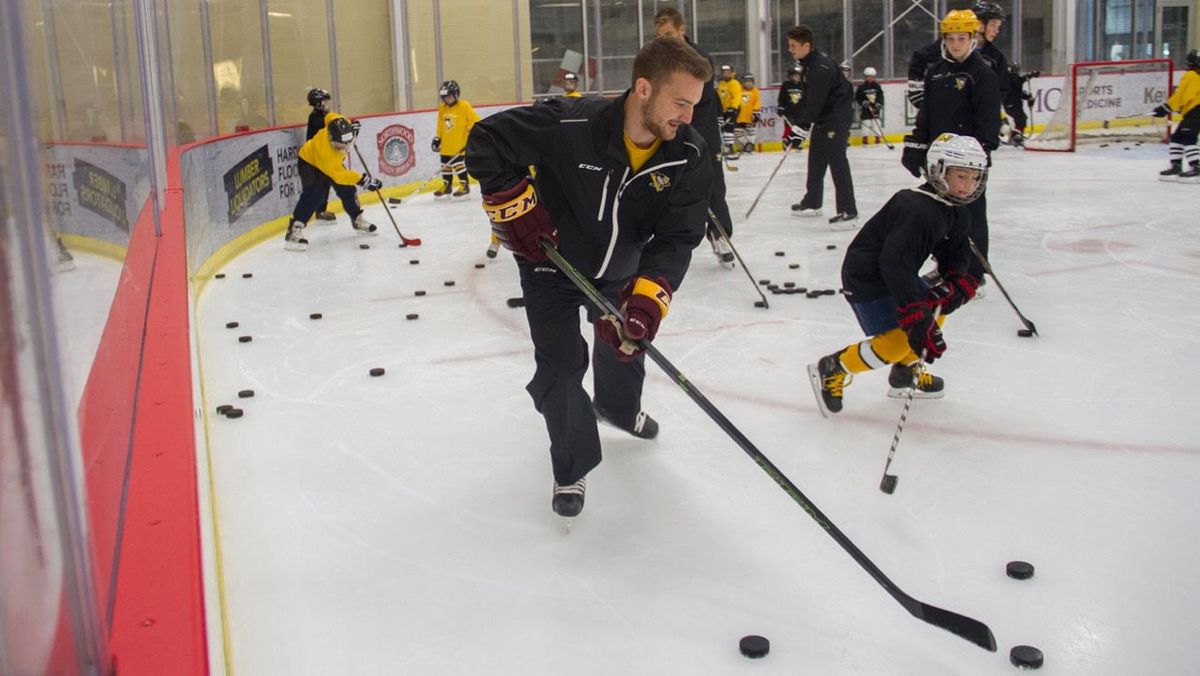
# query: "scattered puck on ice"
(794, 266)
(414, 261)
(776, 290)
(247, 275)
(779, 253)
(1103, 145)
(220, 275)
(772, 287)
(315, 315)
(814, 293)
(519, 301)
(789, 285)
(418, 292)
(829, 292)
(224, 408)
(755, 647)
(764, 282)
(760, 303)
(376, 372)
(245, 394)
(364, 246)
(231, 325)
(791, 290)
(448, 282)
(1019, 570)
(1026, 657)
(244, 339)
(801, 289)
(410, 316)
(393, 200)
(830, 247)
(1025, 333)
(478, 266)
(233, 413)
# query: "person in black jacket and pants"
(961, 97)
(823, 119)
(621, 187)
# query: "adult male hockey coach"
(621, 187)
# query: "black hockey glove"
(797, 136)
(436, 144)
(916, 93)
(913, 157)
(953, 292)
(1161, 111)
(370, 183)
(918, 322)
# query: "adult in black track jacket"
(824, 119)
(961, 97)
(319, 100)
(706, 118)
(622, 187)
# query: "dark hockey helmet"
(341, 130)
(748, 77)
(1193, 59)
(316, 96)
(986, 11)
(449, 88)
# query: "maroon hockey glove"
(918, 322)
(520, 221)
(644, 304)
(953, 292)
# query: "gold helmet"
(960, 21)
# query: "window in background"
(783, 17)
(556, 31)
(300, 60)
(1037, 31)
(1174, 32)
(721, 31)
(186, 76)
(824, 17)
(612, 41)
(237, 52)
(366, 81)
(1143, 25)
(87, 67)
(868, 36)
(911, 32)
(1116, 31)
(482, 62)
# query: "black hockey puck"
(315, 315)
(789, 285)
(233, 413)
(815, 293)
(245, 394)
(247, 275)
(410, 316)
(760, 303)
(414, 261)
(1025, 333)
(376, 372)
(519, 301)
(393, 200)
(220, 275)
(448, 282)
(793, 266)
(764, 282)
(1026, 657)
(224, 408)
(1103, 145)
(772, 287)
(791, 290)
(780, 253)
(754, 647)
(364, 246)
(801, 289)
(829, 292)
(244, 339)
(231, 325)
(479, 266)
(1019, 570)
(418, 292)
(776, 290)
(830, 247)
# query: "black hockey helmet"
(316, 96)
(747, 77)
(1193, 59)
(986, 11)
(449, 88)
(341, 130)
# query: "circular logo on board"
(396, 155)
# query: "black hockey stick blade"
(888, 483)
(960, 625)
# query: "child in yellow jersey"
(749, 115)
(322, 165)
(729, 91)
(1186, 102)
(455, 119)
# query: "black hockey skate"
(567, 500)
(643, 427)
(900, 379)
(828, 380)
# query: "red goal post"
(1108, 101)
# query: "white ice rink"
(402, 524)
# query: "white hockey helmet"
(868, 72)
(952, 150)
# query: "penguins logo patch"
(659, 181)
(960, 83)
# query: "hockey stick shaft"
(725, 236)
(405, 241)
(968, 628)
(757, 197)
(988, 268)
(887, 483)
(877, 127)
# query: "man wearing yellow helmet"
(962, 97)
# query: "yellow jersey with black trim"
(454, 125)
(1187, 95)
(751, 104)
(319, 152)
(730, 93)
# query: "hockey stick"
(404, 241)
(725, 236)
(988, 268)
(786, 152)
(968, 628)
(887, 483)
(725, 159)
(878, 128)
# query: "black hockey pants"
(827, 149)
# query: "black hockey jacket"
(316, 122)
(706, 117)
(827, 93)
(960, 98)
(886, 256)
(860, 95)
(790, 95)
(612, 222)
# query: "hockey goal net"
(1107, 101)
